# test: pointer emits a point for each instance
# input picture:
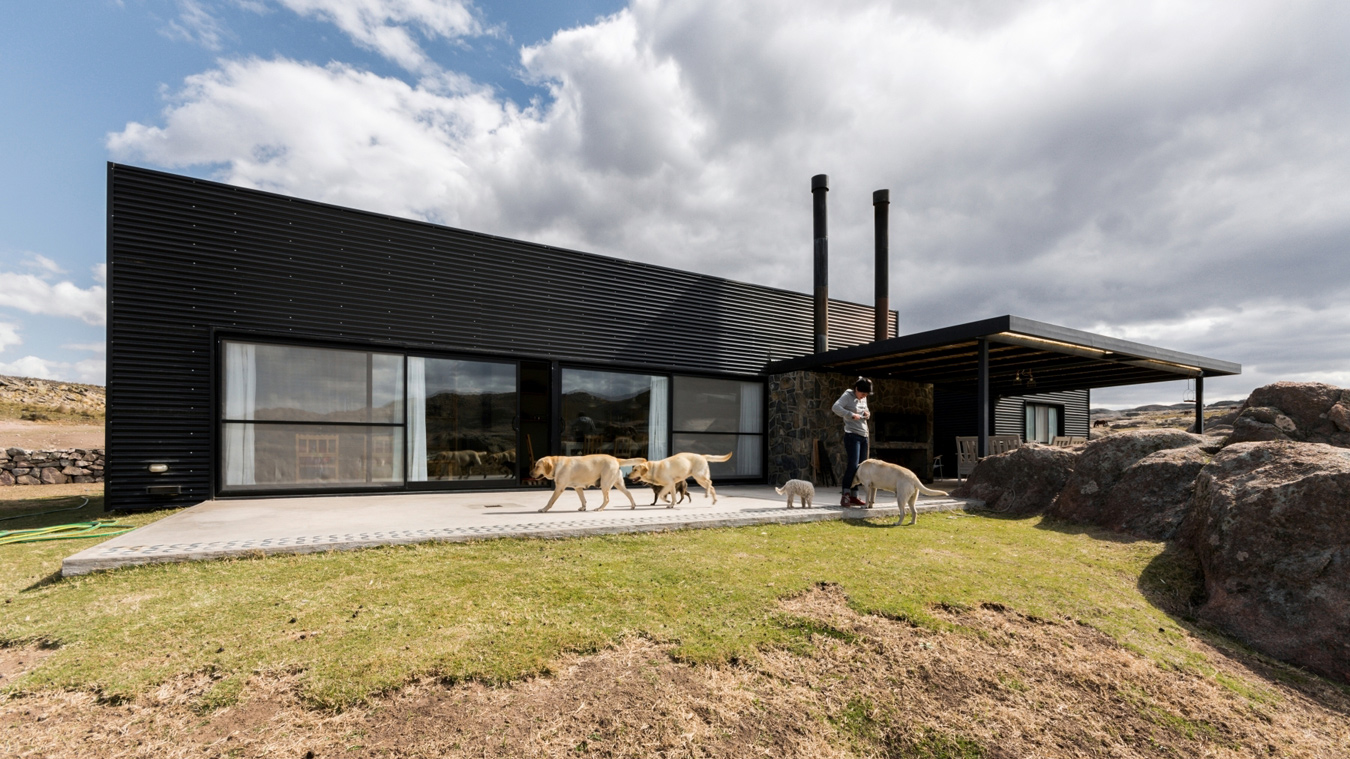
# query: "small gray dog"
(800, 488)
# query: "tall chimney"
(820, 184)
(881, 211)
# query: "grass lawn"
(354, 624)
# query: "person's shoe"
(854, 500)
(844, 500)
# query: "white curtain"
(658, 425)
(750, 448)
(417, 419)
(241, 399)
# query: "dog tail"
(630, 462)
(779, 491)
(717, 458)
(928, 491)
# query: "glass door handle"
(515, 423)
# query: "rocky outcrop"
(1271, 528)
(1306, 412)
(19, 466)
(1152, 498)
(1022, 481)
(1102, 464)
(41, 395)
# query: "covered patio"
(1012, 355)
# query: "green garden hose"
(92, 529)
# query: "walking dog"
(580, 472)
(877, 475)
(664, 474)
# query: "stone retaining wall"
(799, 414)
(19, 466)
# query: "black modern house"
(265, 345)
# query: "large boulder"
(1022, 481)
(1307, 412)
(1152, 498)
(1100, 467)
(1271, 528)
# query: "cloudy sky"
(1173, 173)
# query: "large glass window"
(461, 420)
(303, 418)
(717, 416)
(624, 415)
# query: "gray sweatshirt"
(848, 405)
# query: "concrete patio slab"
(241, 527)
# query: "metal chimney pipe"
(881, 211)
(820, 184)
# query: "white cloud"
(195, 24)
(37, 296)
(1082, 163)
(9, 335)
(91, 347)
(100, 272)
(43, 264)
(88, 371)
(384, 25)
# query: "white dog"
(667, 472)
(800, 488)
(580, 472)
(879, 475)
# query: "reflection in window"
(298, 417)
(716, 416)
(306, 456)
(460, 420)
(624, 415)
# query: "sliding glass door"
(462, 420)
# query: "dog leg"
(708, 490)
(789, 500)
(556, 492)
(582, 496)
(666, 492)
(624, 489)
(604, 493)
(913, 507)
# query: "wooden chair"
(316, 457)
(625, 447)
(1003, 443)
(1062, 441)
(966, 455)
(594, 444)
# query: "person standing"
(852, 408)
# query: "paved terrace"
(242, 527)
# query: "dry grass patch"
(991, 683)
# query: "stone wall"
(799, 414)
(19, 466)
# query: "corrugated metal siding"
(1011, 412)
(188, 256)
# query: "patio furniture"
(1003, 443)
(937, 467)
(1066, 441)
(594, 444)
(966, 455)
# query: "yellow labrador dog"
(668, 472)
(880, 475)
(580, 472)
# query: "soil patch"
(49, 436)
(992, 683)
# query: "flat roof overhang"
(1025, 357)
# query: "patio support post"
(982, 403)
(1200, 404)
(881, 208)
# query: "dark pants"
(855, 450)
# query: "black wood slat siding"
(187, 257)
